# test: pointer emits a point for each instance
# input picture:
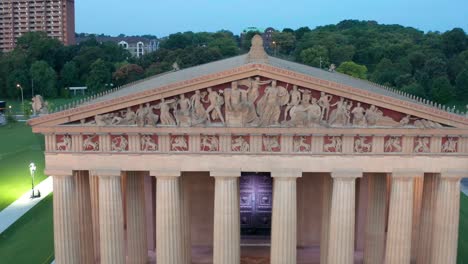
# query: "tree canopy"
(432, 65)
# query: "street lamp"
(32, 171)
(274, 43)
(22, 98)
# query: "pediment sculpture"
(258, 102)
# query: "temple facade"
(254, 159)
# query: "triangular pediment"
(253, 95)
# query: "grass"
(463, 231)
(31, 238)
(18, 148)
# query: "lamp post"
(32, 171)
(22, 97)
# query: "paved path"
(19, 207)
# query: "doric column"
(398, 248)
(185, 216)
(111, 225)
(94, 190)
(137, 250)
(375, 222)
(342, 216)
(84, 217)
(169, 231)
(284, 216)
(424, 245)
(446, 217)
(66, 238)
(226, 241)
(327, 190)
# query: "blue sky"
(160, 18)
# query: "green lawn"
(463, 231)
(18, 148)
(30, 240)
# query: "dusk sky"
(162, 18)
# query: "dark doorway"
(255, 204)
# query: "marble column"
(137, 249)
(446, 217)
(226, 240)
(375, 222)
(185, 217)
(342, 216)
(424, 246)
(84, 217)
(169, 231)
(111, 218)
(94, 192)
(284, 216)
(327, 189)
(400, 216)
(66, 237)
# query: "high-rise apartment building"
(55, 17)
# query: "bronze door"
(255, 203)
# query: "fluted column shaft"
(342, 217)
(327, 189)
(84, 217)
(284, 217)
(185, 216)
(169, 237)
(66, 240)
(398, 248)
(446, 218)
(137, 249)
(94, 192)
(375, 223)
(226, 241)
(430, 183)
(111, 229)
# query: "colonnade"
(74, 216)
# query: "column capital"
(453, 174)
(166, 173)
(407, 173)
(346, 174)
(286, 173)
(225, 173)
(58, 172)
(107, 172)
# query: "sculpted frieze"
(302, 143)
(209, 143)
(91, 142)
(393, 144)
(271, 143)
(258, 102)
(119, 143)
(179, 142)
(450, 144)
(63, 142)
(333, 144)
(422, 145)
(149, 142)
(240, 143)
(362, 144)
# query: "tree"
(315, 56)
(454, 41)
(100, 76)
(284, 41)
(45, 79)
(461, 84)
(441, 90)
(353, 69)
(128, 73)
(70, 75)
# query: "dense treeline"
(431, 65)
